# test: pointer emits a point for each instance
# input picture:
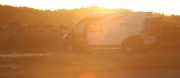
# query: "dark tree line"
(31, 37)
(32, 16)
(27, 15)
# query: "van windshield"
(88, 20)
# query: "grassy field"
(64, 64)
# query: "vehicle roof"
(119, 13)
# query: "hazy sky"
(163, 6)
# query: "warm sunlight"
(89, 39)
(165, 6)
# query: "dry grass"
(71, 64)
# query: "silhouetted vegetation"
(27, 15)
(16, 36)
(28, 29)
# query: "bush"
(38, 37)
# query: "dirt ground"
(90, 65)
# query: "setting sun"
(165, 6)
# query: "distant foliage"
(170, 32)
(171, 27)
(32, 16)
(31, 37)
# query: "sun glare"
(135, 5)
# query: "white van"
(122, 30)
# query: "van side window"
(81, 28)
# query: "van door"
(82, 30)
(81, 36)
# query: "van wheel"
(128, 45)
(128, 49)
(70, 48)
